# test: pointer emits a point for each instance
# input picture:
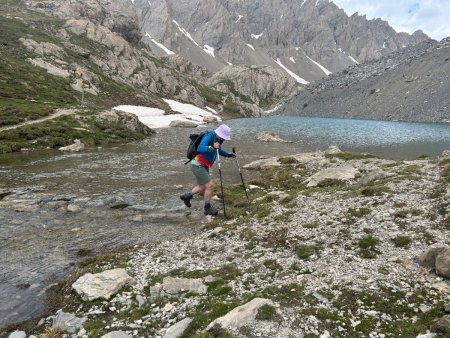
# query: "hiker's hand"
(216, 145)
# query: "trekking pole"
(240, 173)
(221, 183)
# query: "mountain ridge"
(218, 33)
(410, 85)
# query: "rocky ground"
(330, 245)
(410, 85)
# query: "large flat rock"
(101, 285)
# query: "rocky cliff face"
(115, 27)
(265, 85)
(308, 37)
(118, 16)
(411, 84)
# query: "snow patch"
(303, 2)
(326, 71)
(274, 109)
(209, 50)
(291, 73)
(155, 118)
(186, 33)
(384, 45)
(239, 18)
(353, 59)
(229, 63)
(292, 59)
(250, 46)
(160, 45)
(211, 110)
(253, 36)
(149, 3)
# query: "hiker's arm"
(225, 153)
(203, 147)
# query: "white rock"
(168, 307)
(175, 286)
(184, 124)
(263, 163)
(342, 173)
(177, 329)
(210, 119)
(73, 208)
(101, 285)
(18, 334)
(241, 315)
(68, 322)
(77, 146)
(427, 335)
(270, 137)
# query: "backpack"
(193, 145)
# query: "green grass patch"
(445, 173)
(266, 312)
(287, 160)
(368, 246)
(359, 212)
(401, 213)
(287, 295)
(446, 222)
(402, 241)
(305, 251)
(375, 190)
(63, 131)
(405, 320)
(330, 182)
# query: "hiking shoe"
(209, 210)
(186, 198)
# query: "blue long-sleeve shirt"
(208, 154)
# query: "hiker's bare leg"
(208, 191)
(198, 188)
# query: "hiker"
(203, 160)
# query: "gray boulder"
(76, 146)
(210, 119)
(241, 315)
(130, 121)
(184, 124)
(68, 322)
(342, 173)
(101, 285)
(263, 163)
(268, 136)
(443, 263)
(428, 258)
(18, 334)
(442, 325)
(177, 329)
(333, 150)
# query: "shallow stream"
(40, 247)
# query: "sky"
(431, 16)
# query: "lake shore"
(331, 241)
